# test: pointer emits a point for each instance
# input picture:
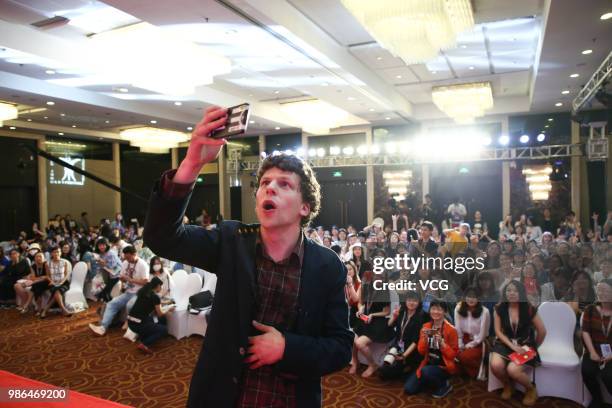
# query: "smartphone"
(236, 123)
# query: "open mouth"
(268, 205)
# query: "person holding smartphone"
(279, 321)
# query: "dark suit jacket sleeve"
(307, 356)
(167, 236)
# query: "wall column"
(369, 180)
(43, 209)
(117, 180)
(174, 157)
(505, 188)
(262, 144)
(576, 172)
(224, 200)
(424, 180)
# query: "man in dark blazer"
(279, 321)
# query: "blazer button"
(241, 351)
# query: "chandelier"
(397, 183)
(414, 30)
(314, 115)
(538, 179)
(153, 140)
(7, 112)
(463, 102)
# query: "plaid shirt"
(278, 285)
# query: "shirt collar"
(297, 252)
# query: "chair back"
(560, 321)
(77, 277)
(210, 282)
(180, 290)
(194, 284)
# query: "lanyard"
(604, 329)
(405, 322)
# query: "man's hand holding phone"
(202, 148)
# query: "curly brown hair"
(309, 186)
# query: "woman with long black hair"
(515, 323)
(472, 321)
(140, 320)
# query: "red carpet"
(64, 352)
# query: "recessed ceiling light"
(177, 103)
(189, 128)
(574, 75)
(371, 109)
(606, 16)
(350, 98)
(379, 58)
(61, 133)
(471, 68)
(12, 128)
(49, 72)
(50, 103)
(277, 128)
(463, 46)
(565, 92)
(276, 92)
(398, 76)
(62, 114)
(29, 120)
(387, 118)
(107, 121)
(153, 121)
(587, 52)
(124, 90)
(325, 84)
(251, 121)
(46, 117)
(434, 72)
(547, 126)
(73, 126)
(550, 119)
(558, 104)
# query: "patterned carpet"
(64, 352)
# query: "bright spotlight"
(486, 141)
(275, 153)
(312, 152)
(334, 150)
(504, 140)
(374, 149)
(524, 139)
(541, 137)
(263, 155)
(390, 148)
(300, 152)
(348, 151)
(289, 152)
(321, 152)
(362, 150)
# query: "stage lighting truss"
(599, 78)
(251, 163)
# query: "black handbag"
(200, 301)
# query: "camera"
(391, 354)
(236, 124)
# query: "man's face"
(130, 257)
(14, 255)
(425, 233)
(279, 201)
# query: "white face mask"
(157, 268)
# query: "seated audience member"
(472, 321)
(372, 322)
(515, 323)
(530, 281)
(58, 275)
(34, 286)
(558, 287)
(134, 274)
(17, 269)
(140, 320)
(457, 239)
(581, 292)
(108, 265)
(597, 337)
(352, 291)
(605, 271)
(489, 295)
(403, 356)
(439, 346)
(157, 270)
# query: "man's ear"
(305, 209)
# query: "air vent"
(53, 22)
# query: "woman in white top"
(534, 232)
(58, 273)
(472, 322)
(157, 269)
